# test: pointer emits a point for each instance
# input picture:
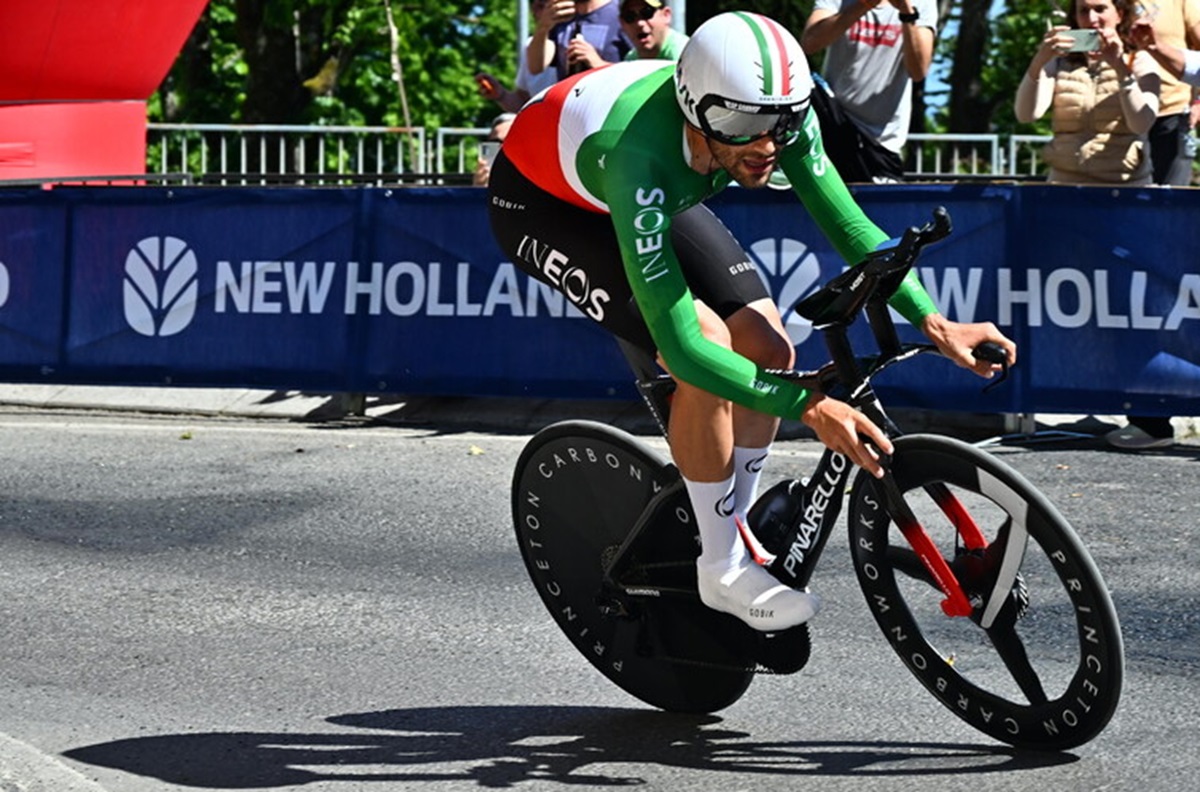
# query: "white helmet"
(741, 77)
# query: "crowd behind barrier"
(403, 291)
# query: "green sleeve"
(643, 228)
(840, 218)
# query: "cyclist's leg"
(702, 436)
(723, 276)
(758, 334)
(736, 312)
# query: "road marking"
(24, 768)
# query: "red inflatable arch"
(76, 76)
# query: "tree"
(327, 62)
(989, 53)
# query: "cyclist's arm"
(668, 309)
(843, 222)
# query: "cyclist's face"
(749, 165)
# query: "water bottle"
(774, 514)
(576, 33)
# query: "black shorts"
(531, 225)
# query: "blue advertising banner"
(404, 291)
(32, 282)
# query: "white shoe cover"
(753, 595)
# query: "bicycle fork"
(955, 602)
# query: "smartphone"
(1085, 40)
(488, 149)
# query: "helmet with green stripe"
(742, 77)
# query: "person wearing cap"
(599, 193)
(647, 23)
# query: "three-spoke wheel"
(1038, 662)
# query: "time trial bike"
(981, 586)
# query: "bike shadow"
(500, 746)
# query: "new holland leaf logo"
(790, 271)
(160, 286)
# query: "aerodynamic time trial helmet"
(741, 77)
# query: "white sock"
(747, 472)
(720, 543)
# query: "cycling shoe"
(755, 596)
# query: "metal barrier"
(952, 156)
(462, 143)
(243, 154)
(232, 154)
(1028, 148)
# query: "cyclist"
(598, 192)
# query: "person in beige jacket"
(1103, 99)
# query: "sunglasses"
(644, 14)
(740, 127)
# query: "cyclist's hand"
(956, 340)
(847, 431)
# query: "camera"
(1085, 40)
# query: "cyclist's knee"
(766, 347)
(758, 333)
(713, 327)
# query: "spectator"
(1180, 64)
(1176, 24)
(647, 23)
(499, 131)
(1164, 31)
(876, 49)
(526, 85)
(1102, 101)
(575, 36)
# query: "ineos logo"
(160, 287)
(649, 220)
(789, 270)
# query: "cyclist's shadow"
(500, 746)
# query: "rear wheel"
(578, 491)
(1039, 662)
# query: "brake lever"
(992, 353)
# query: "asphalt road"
(192, 603)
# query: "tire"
(578, 490)
(1056, 612)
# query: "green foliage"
(1015, 39)
(440, 46)
(1013, 35)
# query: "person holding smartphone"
(489, 148)
(1102, 95)
(576, 35)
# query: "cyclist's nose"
(765, 146)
